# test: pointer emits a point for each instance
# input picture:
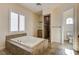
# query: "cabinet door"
(40, 33)
(47, 27)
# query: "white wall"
(5, 17)
(56, 22)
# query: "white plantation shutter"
(14, 21)
(21, 23)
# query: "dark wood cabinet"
(39, 33)
(47, 27)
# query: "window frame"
(69, 23)
(19, 13)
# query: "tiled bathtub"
(27, 45)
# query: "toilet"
(70, 37)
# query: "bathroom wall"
(56, 22)
(36, 24)
(5, 17)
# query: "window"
(21, 23)
(14, 21)
(17, 22)
(69, 21)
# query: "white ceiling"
(37, 8)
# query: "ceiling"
(38, 8)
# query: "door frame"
(62, 41)
(49, 25)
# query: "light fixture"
(39, 4)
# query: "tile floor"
(54, 49)
(59, 49)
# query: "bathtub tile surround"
(22, 44)
(21, 49)
(8, 37)
(15, 50)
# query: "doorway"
(47, 27)
(68, 29)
